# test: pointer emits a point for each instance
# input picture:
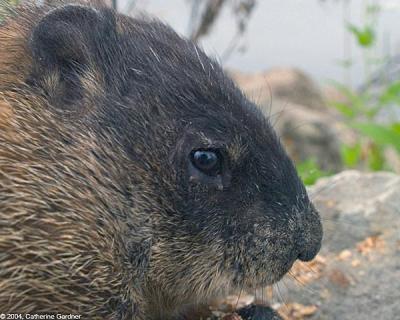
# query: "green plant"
(360, 112)
(309, 171)
(361, 109)
(351, 155)
(365, 36)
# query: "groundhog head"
(221, 205)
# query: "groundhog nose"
(309, 234)
(308, 247)
(308, 255)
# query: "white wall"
(308, 34)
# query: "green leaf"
(365, 37)
(396, 127)
(310, 172)
(344, 109)
(391, 94)
(372, 112)
(355, 105)
(376, 159)
(351, 155)
(380, 134)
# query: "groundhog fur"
(136, 180)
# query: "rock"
(356, 205)
(357, 273)
(310, 134)
(288, 84)
(392, 158)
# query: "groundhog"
(136, 180)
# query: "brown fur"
(88, 228)
(50, 260)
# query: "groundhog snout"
(288, 232)
(280, 236)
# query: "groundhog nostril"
(309, 235)
(308, 251)
(306, 255)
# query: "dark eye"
(207, 161)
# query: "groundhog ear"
(62, 39)
(64, 46)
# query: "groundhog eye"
(207, 161)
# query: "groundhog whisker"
(309, 267)
(341, 221)
(238, 297)
(255, 97)
(300, 125)
(268, 85)
(264, 296)
(314, 195)
(282, 301)
(301, 284)
(277, 115)
(272, 294)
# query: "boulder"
(309, 134)
(289, 84)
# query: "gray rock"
(288, 84)
(309, 135)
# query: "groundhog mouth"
(260, 278)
